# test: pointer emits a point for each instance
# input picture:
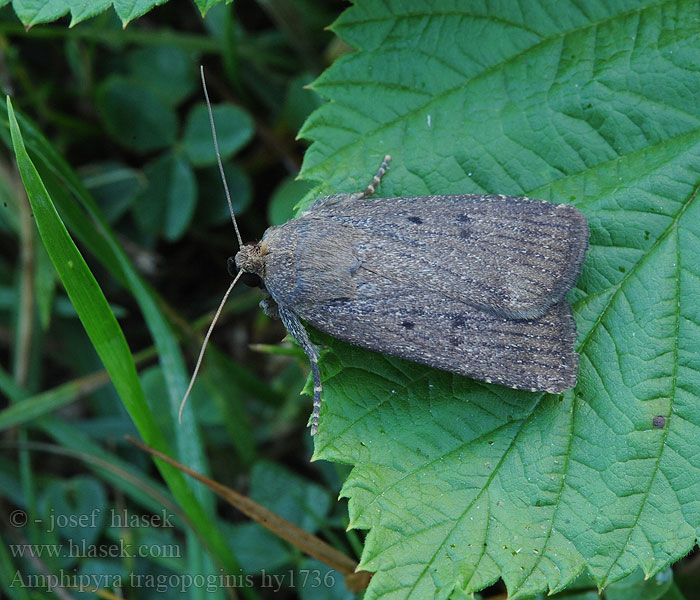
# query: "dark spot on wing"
(408, 325)
(458, 321)
(416, 220)
(455, 341)
(464, 234)
(463, 219)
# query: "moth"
(471, 284)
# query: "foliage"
(458, 483)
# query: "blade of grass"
(101, 242)
(82, 288)
(187, 439)
(107, 337)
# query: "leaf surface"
(34, 12)
(458, 482)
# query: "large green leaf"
(596, 104)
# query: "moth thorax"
(250, 259)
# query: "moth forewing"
(514, 256)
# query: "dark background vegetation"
(116, 103)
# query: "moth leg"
(375, 180)
(296, 329)
(269, 307)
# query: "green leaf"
(637, 587)
(212, 207)
(33, 12)
(300, 501)
(257, 549)
(135, 116)
(84, 9)
(459, 482)
(316, 581)
(168, 71)
(166, 205)
(299, 102)
(128, 10)
(205, 5)
(76, 508)
(114, 187)
(285, 199)
(234, 128)
(674, 593)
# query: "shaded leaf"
(167, 204)
(128, 10)
(114, 187)
(76, 507)
(300, 501)
(256, 548)
(315, 581)
(205, 5)
(212, 207)
(167, 71)
(234, 128)
(300, 102)
(637, 587)
(135, 116)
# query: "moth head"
(249, 259)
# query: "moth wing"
(433, 329)
(516, 257)
(329, 271)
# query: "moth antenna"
(205, 342)
(376, 179)
(218, 158)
